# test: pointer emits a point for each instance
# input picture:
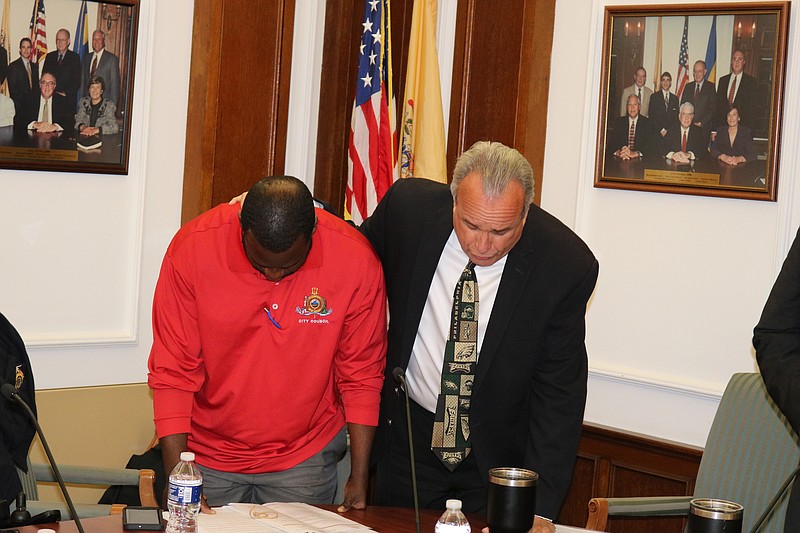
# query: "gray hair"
(687, 105)
(497, 165)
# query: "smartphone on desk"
(142, 519)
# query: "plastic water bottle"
(183, 499)
(453, 520)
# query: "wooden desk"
(382, 519)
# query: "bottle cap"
(453, 505)
(187, 456)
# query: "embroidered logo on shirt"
(19, 377)
(314, 304)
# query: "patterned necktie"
(450, 440)
(60, 57)
(732, 92)
(94, 67)
(683, 142)
(639, 94)
(632, 134)
(666, 102)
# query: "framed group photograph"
(66, 92)
(691, 99)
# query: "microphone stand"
(400, 377)
(10, 393)
(777, 497)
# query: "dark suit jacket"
(745, 100)
(3, 64)
(619, 135)
(530, 383)
(16, 430)
(661, 116)
(704, 106)
(743, 144)
(63, 113)
(777, 342)
(695, 142)
(108, 69)
(18, 82)
(68, 73)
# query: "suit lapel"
(434, 235)
(519, 266)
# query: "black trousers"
(435, 483)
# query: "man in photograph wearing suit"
(663, 109)
(3, 64)
(65, 65)
(519, 368)
(687, 142)
(701, 94)
(46, 111)
(639, 89)
(736, 89)
(101, 63)
(630, 137)
(23, 76)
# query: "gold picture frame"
(738, 51)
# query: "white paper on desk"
(292, 518)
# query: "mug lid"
(715, 509)
(513, 477)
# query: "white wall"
(81, 252)
(682, 279)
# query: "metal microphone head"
(399, 375)
(8, 391)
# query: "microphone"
(771, 505)
(10, 393)
(399, 376)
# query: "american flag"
(683, 60)
(372, 151)
(38, 32)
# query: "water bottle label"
(451, 528)
(185, 493)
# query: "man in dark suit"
(663, 109)
(736, 89)
(687, 142)
(630, 135)
(534, 277)
(65, 65)
(101, 63)
(23, 76)
(3, 64)
(16, 429)
(777, 342)
(701, 94)
(46, 111)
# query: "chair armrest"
(84, 510)
(601, 508)
(91, 475)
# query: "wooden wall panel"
(238, 99)
(614, 463)
(501, 73)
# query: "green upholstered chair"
(85, 475)
(750, 451)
